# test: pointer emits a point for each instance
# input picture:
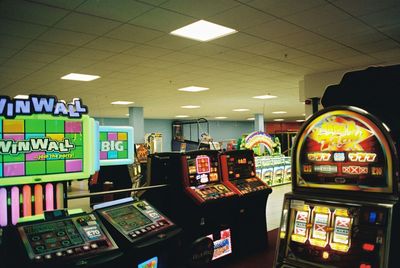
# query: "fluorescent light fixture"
(265, 97)
(80, 77)
(190, 106)
(193, 89)
(22, 97)
(221, 117)
(303, 114)
(279, 119)
(279, 112)
(122, 102)
(241, 110)
(250, 118)
(126, 114)
(203, 31)
(182, 116)
(300, 120)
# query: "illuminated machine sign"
(344, 149)
(116, 146)
(258, 137)
(223, 245)
(43, 147)
(43, 142)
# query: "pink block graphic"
(73, 165)
(14, 137)
(34, 156)
(73, 127)
(103, 155)
(14, 169)
(112, 136)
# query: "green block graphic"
(77, 152)
(13, 158)
(34, 126)
(74, 139)
(55, 166)
(103, 136)
(35, 168)
(55, 126)
(123, 154)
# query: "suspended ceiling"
(128, 44)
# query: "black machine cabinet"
(344, 210)
(62, 240)
(143, 233)
(250, 224)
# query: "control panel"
(212, 191)
(249, 185)
(65, 239)
(136, 220)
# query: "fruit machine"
(287, 177)
(145, 234)
(267, 170)
(279, 170)
(343, 210)
(238, 172)
(208, 202)
(44, 143)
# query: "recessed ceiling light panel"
(221, 117)
(190, 106)
(80, 77)
(193, 89)
(279, 119)
(241, 110)
(250, 118)
(203, 31)
(279, 112)
(22, 97)
(122, 102)
(182, 116)
(265, 97)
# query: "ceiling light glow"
(203, 31)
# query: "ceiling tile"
(35, 56)
(124, 11)
(361, 60)
(6, 52)
(285, 7)
(299, 39)
(14, 42)
(199, 9)
(70, 4)
(248, 17)
(382, 45)
(383, 19)
(21, 29)
(73, 63)
(66, 37)
(134, 33)
(363, 7)
(91, 53)
(109, 44)
(264, 48)
(390, 55)
(86, 24)
(162, 20)
(315, 17)
(344, 27)
(172, 42)
(147, 51)
(31, 12)
(237, 40)
(49, 48)
(273, 29)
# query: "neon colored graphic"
(258, 137)
(203, 164)
(44, 147)
(151, 263)
(116, 145)
(340, 134)
(344, 150)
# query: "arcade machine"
(343, 211)
(238, 172)
(147, 237)
(208, 202)
(44, 143)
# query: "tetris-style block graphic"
(116, 145)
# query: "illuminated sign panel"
(116, 146)
(344, 150)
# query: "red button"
(368, 247)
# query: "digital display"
(341, 230)
(344, 150)
(240, 165)
(51, 148)
(202, 169)
(128, 218)
(116, 146)
(223, 245)
(151, 263)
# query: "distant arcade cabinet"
(239, 173)
(343, 211)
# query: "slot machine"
(65, 239)
(238, 172)
(144, 234)
(45, 143)
(343, 210)
(209, 203)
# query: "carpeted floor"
(262, 259)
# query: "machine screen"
(342, 230)
(240, 166)
(202, 168)
(151, 263)
(127, 217)
(344, 150)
